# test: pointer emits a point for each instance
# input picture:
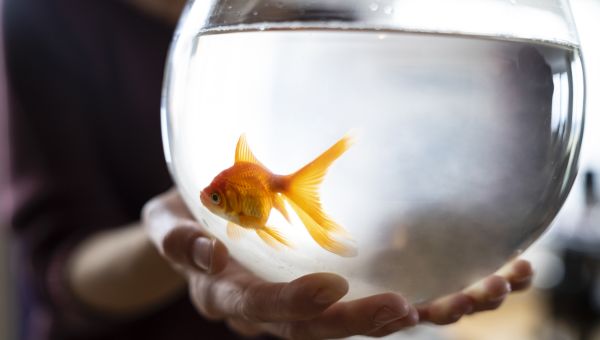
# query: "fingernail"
(202, 253)
(386, 315)
(327, 296)
(508, 288)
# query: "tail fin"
(302, 191)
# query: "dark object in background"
(576, 299)
(86, 154)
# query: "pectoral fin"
(234, 231)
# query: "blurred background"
(565, 300)
(8, 309)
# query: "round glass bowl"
(466, 128)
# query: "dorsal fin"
(243, 152)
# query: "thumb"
(189, 246)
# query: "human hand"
(487, 294)
(306, 308)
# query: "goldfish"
(246, 193)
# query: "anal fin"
(279, 204)
(272, 237)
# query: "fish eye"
(215, 197)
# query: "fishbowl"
(411, 146)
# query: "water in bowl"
(466, 146)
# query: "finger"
(245, 328)
(301, 299)
(398, 325)
(446, 310)
(489, 293)
(161, 214)
(358, 317)
(152, 214)
(179, 238)
(237, 294)
(518, 273)
(173, 201)
(189, 246)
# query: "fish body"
(246, 193)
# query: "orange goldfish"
(245, 194)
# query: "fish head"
(214, 199)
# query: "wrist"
(119, 272)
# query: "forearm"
(119, 272)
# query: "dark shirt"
(85, 154)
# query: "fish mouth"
(207, 201)
(204, 198)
